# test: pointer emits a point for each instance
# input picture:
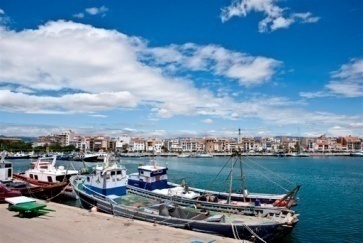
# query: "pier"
(71, 224)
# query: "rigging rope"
(267, 177)
(270, 171)
(219, 173)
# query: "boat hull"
(87, 159)
(18, 157)
(268, 232)
(38, 189)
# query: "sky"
(166, 69)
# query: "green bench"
(27, 207)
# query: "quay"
(71, 224)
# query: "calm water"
(330, 205)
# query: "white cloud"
(97, 115)
(81, 57)
(4, 20)
(114, 71)
(276, 17)
(76, 103)
(209, 121)
(345, 82)
(348, 80)
(318, 94)
(94, 11)
(79, 15)
(305, 17)
(340, 131)
(24, 90)
(248, 70)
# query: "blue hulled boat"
(105, 188)
(151, 180)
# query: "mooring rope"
(251, 231)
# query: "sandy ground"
(70, 224)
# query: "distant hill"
(24, 139)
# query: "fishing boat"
(183, 155)
(203, 155)
(18, 155)
(152, 181)
(45, 169)
(357, 154)
(6, 176)
(26, 186)
(105, 189)
(87, 157)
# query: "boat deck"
(142, 203)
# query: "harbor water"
(330, 204)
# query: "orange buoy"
(282, 203)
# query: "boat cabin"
(150, 177)
(44, 169)
(6, 171)
(106, 180)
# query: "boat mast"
(242, 177)
(230, 183)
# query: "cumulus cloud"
(345, 82)
(105, 70)
(276, 17)
(247, 69)
(76, 103)
(95, 61)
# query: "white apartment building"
(136, 145)
(173, 145)
(122, 141)
(189, 144)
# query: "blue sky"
(181, 68)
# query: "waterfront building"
(80, 142)
(137, 145)
(224, 145)
(121, 142)
(248, 144)
(350, 143)
(173, 145)
(266, 144)
(154, 145)
(98, 143)
(210, 145)
(188, 144)
(321, 144)
(64, 138)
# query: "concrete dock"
(71, 224)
